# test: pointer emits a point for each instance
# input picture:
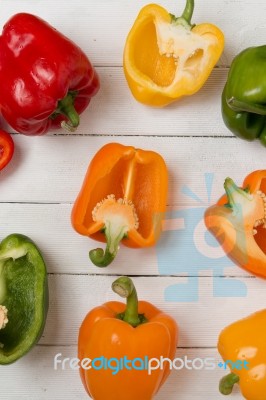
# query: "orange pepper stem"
(227, 383)
(101, 258)
(235, 195)
(124, 287)
(113, 236)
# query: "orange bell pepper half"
(122, 199)
(166, 58)
(137, 331)
(238, 222)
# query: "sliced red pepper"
(6, 148)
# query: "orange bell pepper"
(166, 58)
(243, 346)
(238, 222)
(122, 199)
(136, 332)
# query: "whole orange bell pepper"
(238, 222)
(117, 339)
(166, 58)
(242, 345)
(122, 199)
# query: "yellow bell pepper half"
(166, 58)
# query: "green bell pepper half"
(244, 95)
(23, 297)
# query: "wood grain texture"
(114, 111)
(200, 321)
(66, 251)
(51, 169)
(40, 185)
(36, 378)
(103, 25)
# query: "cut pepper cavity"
(168, 57)
(238, 222)
(118, 216)
(122, 200)
(3, 317)
(23, 296)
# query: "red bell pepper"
(6, 148)
(46, 81)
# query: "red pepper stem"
(227, 383)
(124, 287)
(66, 107)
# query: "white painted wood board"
(51, 169)
(67, 252)
(199, 324)
(104, 24)
(37, 379)
(38, 188)
(115, 112)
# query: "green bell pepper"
(23, 297)
(244, 95)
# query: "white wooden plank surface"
(66, 251)
(114, 111)
(71, 297)
(36, 379)
(38, 189)
(103, 25)
(123, 115)
(51, 168)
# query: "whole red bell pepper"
(46, 81)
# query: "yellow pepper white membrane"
(166, 58)
(189, 50)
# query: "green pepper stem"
(227, 383)
(188, 11)
(124, 287)
(263, 137)
(240, 106)
(113, 236)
